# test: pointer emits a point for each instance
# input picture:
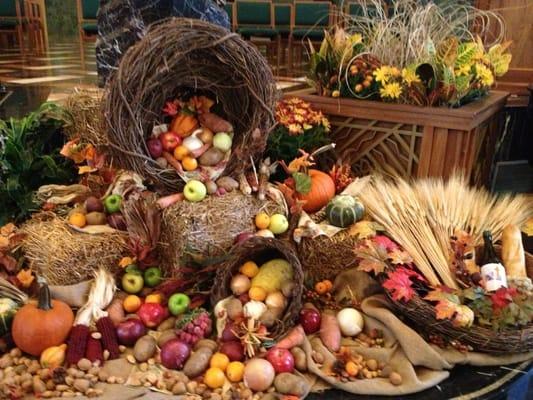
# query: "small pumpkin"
(184, 124)
(322, 191)
(54, 356)
(344, 210)
(8, 308)
(42, 324)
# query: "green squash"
(344, 210)
(8, 309)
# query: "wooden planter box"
(412, 141)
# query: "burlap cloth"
(420, 364)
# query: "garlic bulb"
(254, 309)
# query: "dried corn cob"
(109, 336)
(94, 350)
(77, 343)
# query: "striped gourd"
(344, 210)
(8, 308)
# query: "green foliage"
(282, 146)
(302, 182)
(465, 54)
(29, 158)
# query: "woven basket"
(181, 57)
(421, 314)
(261, 250)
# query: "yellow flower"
(391, 90)
(298, 118)
(356, 38)
(382, 74)
(409, 76)
(484, 75)
(463, 70)
(335, 93)
(295, 129)
(326, 124)
(307, 126)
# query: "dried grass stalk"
(86, 120)
(206, 230)
(422, 216)
(178, 57)
(65, 257)
(412, 31)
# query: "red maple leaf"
(397, 256)
(502, 297)
(399, 285)
(170, 109)
(441, 293)
(384, 241)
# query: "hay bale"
(205, 231)
(86, 122)
(64, 256)
(176, 58)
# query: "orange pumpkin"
(322, 191)
(43, 324)
(184, 124)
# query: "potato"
(227, 183)
(300, 359)
(211, 344)
(211, 157)
(286, 383)
(144, 348)
(96, 218)
(234, 308)
(211, 187)
(197, 362)
(168, 323)
(268, 318)
(165, 336)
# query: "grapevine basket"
(181, 57)
(421, 314)
(261, 250)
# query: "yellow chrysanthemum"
(484, 75)
(382, 74)
(391, 90)
(326, 124)
(298, 118)
(295, 129)
(409, 76)
(463, 70)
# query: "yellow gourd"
(53, 356)
(272, 274)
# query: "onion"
(350, 321)
(206, 135)
(192, 143)
(174, 353)
(276, 300)
(264, 233)
(258, 374)
(240, 284)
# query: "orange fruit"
(250, 269)
(219, 360)
(351, 368)
(235, 371)
(189, 163)
(262, 220)
(154, 298)
(132, 303)
(180, 152)
(328, 284)
(78, 219)
(321, 287)
(214, 378)
(257, 293)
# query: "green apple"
(132, 283)
(152, 276)
(133, 269)
(222, 141)
(278, 224)
(112, 203)
(194, 190)
(178, 303)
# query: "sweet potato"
(330, 332)
(215, 123)
(294, 338)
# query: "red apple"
(129, 331)
(170, 141)
(152, 314)
(281, 359)
(155, 147)
(310, 320)
(233, 350)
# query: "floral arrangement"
(428, 68)
(299, 126)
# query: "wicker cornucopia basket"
(260, 250)
(180, 57)
(421, 314)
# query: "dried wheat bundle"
(423, 215)
(86, 123)
(413, 30)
